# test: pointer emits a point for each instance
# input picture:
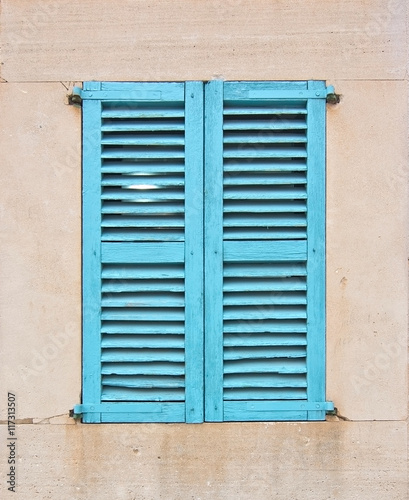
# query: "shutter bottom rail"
(175, 412)
(252, 411)
(130, 412)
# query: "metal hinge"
(332, 97)
(75, 412)
(75, 99)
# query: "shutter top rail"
(143, 91)
(140, 91)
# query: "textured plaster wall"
(335, 460)
(361, 48)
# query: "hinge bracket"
(332, 97)
(75, 99)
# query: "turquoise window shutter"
(143, 252)
(203, 251)
(265, 251)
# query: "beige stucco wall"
(361, 48)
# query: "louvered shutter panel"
(143, 252)
(265, 249)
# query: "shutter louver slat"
(143, 126)
(137, 327)
(291, 365)
(261, 109)
(268, 340)
(137, 181)
(262, 352)
(126, 394)
(273, 165)
(111, 344)
(266, 326)
(233, 408)
(265, 124)
(164, 208)
(264, 178)
(142, 167)
(263, 194)
(128, 379)
(142, 111)
(148, 368)
(143, 194)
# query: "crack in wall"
(35, 420)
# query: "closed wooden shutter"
(265, 232)
(143, 252)
(203, 251)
